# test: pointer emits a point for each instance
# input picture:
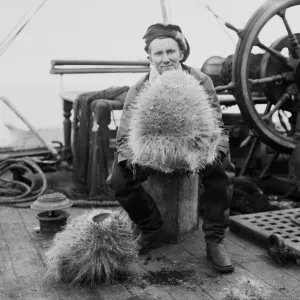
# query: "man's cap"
(168, 30)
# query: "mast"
(165, 8)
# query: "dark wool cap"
(172, 31)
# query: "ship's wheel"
(279, 75)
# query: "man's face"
(165, 54)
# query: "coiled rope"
(13, 192)
(16, 193)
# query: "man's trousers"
(217, 181)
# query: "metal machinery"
(279, 76)
(278, 80)
(276, 83)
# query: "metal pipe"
(62, 71)
(269, 165)
(228, 100)
(64, 62)
(33, 130)
(248, 158)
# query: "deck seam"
(288, 296)
(139, 262)
(283, 270)
(33, 244)
(170, 261)
(57, 296)
(241, 266)
(12, 263)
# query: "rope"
(219, 19)
(13, 192)
(4, 46)
(281, 252)
(96, 203)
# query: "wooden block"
(177, 200)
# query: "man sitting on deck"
(167, 49)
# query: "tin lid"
(54, 201)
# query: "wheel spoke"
(274, 78)
(295, 47)
(280, 102)
(268, 107)
(273, 52)
(282, 123)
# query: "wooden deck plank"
(16, 235)
(31, 268)
(193, 246)
(239, 272)
(141, 286)
(192, 293)
(279, 280)
(105, 292)
(228, 281)
(237, 254)
(25, 260)
(138, 288)
(149, 292)
(113, 292)
(240, 275)
(65, 292)
(205, 277)
(9, 283)
(254, 253)
(41, 245)
(251, 244)
(21, 249)
(158, 260)
(291, 269)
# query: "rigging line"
(220, 20)
(28, 20)
(14, 28)
(5, 47)
(9, 42)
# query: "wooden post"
(177, 200)
(67, 152)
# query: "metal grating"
(262, 225)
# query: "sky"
(99, 30)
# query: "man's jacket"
(123, 152)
